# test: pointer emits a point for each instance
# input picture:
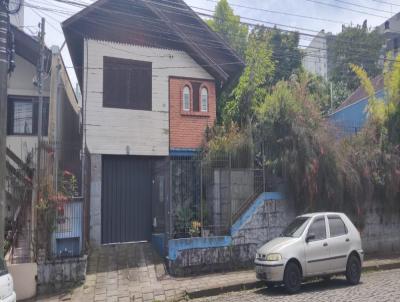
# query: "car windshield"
(296, 227)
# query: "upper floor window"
(127, 84)
(22, 115)
(186, 99)
(204, 99)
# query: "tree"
(228, 25)
(286, 54)
(354, 45)
(252, 85)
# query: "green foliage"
(252, 86)
(363, 50)
(228, 25)
(286, 54)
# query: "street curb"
(208, 292)
(381, 267)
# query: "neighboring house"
(351, 115)
(149, 72)
(390, 29)
(61, 135)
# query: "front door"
(126, 199)
(317, 249)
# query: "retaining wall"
(57, 274)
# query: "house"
(390, 30)
(150, 73)
(61, 134)
(351, 115)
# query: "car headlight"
(274, 257)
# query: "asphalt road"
(382, 286)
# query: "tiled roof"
(360, 93)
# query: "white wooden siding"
(21, 83)
(125, 131)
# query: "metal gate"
(126, 199)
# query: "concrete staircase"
(20, 252)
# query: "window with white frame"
(186, 98)
(204, 99)
(23, 117)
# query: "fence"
(60, 208)
(208, 194)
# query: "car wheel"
(353, 270)
(270, 284)
(292, 277)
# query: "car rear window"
(336, 226)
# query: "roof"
(167, 24)
(320, 213)
(28, 47)
(360, 93)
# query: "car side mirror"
(310, 236)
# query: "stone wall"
(57, 274)
(263, 221)
(381, 232)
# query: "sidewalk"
(148, 285)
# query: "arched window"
(204, 99)
(186, 99)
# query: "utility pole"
(3, 114)
(40, 77)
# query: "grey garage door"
(126, 199)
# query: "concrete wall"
(264, 220)
(95, 199)
(381, 232)
(60, 274)
(221, 201)
(24, 277)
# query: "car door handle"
(325, 244)
(347, 239)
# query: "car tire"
(327, 278)
(270, 284)
(292, 278)
(353, 270)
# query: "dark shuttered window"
(127, 84)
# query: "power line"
(346, 8)
(363, 6)
(108, 22)
(388, 3)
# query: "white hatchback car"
(7, 293)
(317, 244)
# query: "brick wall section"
(187, 128)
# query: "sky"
(334, 12)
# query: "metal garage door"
(126, 199)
